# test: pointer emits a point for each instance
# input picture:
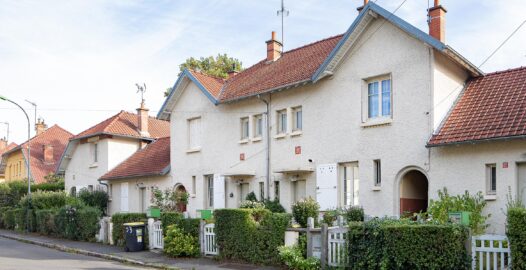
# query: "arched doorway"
(182, 198)
(413, 192)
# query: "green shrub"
(252, 205)
(118, 228)
(177, 243)
(439, 210)
(187, 225)
(330, 216)
(516, 232)
(250, 235)
(45, 221)
(88, 222)
(44, 200)
(11, 192)
(9, 218)
(274, 206)
(251, 197)
(292, 257)
(77, 223)
(96, 198)
(2, 211)
(304, 209)
(354, 214)
(404, 245)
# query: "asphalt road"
(21, 256)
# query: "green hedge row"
(187, 225)
(119, 219)
(45, 221)
(517, 236)
(11, 192)
(78, 223)
(250, 235)
(392, 245)
(10, 217)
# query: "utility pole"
(283, 12)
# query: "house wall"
(134, 190)
(16, 168)
(463, 167)
(81, 170)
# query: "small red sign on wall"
(505, 165)
(242, 156)
(297, 150)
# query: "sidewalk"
(143, 258)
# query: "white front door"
(243, 191)
(299, 190)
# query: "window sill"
(243, 141)
(296, 133)
(280, 136)
(377, 188)
(490, 197)
(377, 122)
(193, 150)
(94, 165)
(257, 139)
(192, 195)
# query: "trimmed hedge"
(2, 211)
(11, 192)
(78, 223)
(399, 245)
(516, 233)
(187, 225)
(250, 235)
(119, 219)
(9, 218)
(45, 221)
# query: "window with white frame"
(244, 128)
(261, 191)
(194, 133)
(377, 172)
(297, 119)
(350, 184)
(95, 152)
(209, 191)
(491, 179)
(379, 98)
(282, 121)
(258, 126)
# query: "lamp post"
(28, 153)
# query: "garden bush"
(78, 223)
(250, 235)
(252, 205)
(405, 245)
(96, 198)
(516, 232)
(251, 197)
(44, 200)
(292, 257)
(274, 206)
(45, 221)
(9, 218)
(354, 214)
(187, 225)
(2, 211)
(119, 219)
(304, 209)
(11, 192)
(177, 243)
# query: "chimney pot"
(3, 144)
(48, 153)
(274, 48)
(365, 2)
(40, 126)
(142, 114)
(437, 21)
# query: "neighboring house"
(4, 147)
(46, 147)
(131, 182)
(99, 149)
(345, 120)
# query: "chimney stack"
(365, 2)
(437, 21)
(142, 113)
(232, 72)
(274, 48)
(40, 126)
(48, 153)
(3, 144)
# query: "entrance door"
(300, 190)
(521, 181)
(413, 193)
(243, 191)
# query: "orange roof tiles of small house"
(491, 107)
(57, 138)
(212, 84)
(8, 148)
(152, 160)
(127, 124)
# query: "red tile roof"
(8, 148)
(126, 124)
(212, 84)
(152, 160)
(293, 66)
(491, 107)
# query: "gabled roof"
(153, 160)
(8, 147)
(307, 64)
(55, 136)
(126, 124)
(492, 107)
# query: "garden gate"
(336, 245)
(490, 252)
(209, 239)
(157, 241)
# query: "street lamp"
(28, 150)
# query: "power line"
(502, 44)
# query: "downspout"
(107, 190)
(267, 122)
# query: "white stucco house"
(101, 148)
(348, 120)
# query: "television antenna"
(283, 13)
(141, 89)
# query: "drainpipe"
(267, 121)
(107, 190)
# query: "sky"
(79, 60)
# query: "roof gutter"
(507, 138)
(271, 90)
(162, 173)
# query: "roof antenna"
(283, 12)
(142, 89)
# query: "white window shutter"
(327, 186)
(219, 191)
(124, 197)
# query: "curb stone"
(90, 253)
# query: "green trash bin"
(134, 236)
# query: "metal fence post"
(202, 224)
(324, 245)
(310, 226)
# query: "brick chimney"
(142, 113)
(365, 2)
(40, 126)
(3, 144)
(274, 48)
(233, 72)
(437, 21)
(48, 153)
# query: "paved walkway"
(144, 258)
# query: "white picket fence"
(156, 240)
(336, 244)
(491, 252)
(210, 245)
